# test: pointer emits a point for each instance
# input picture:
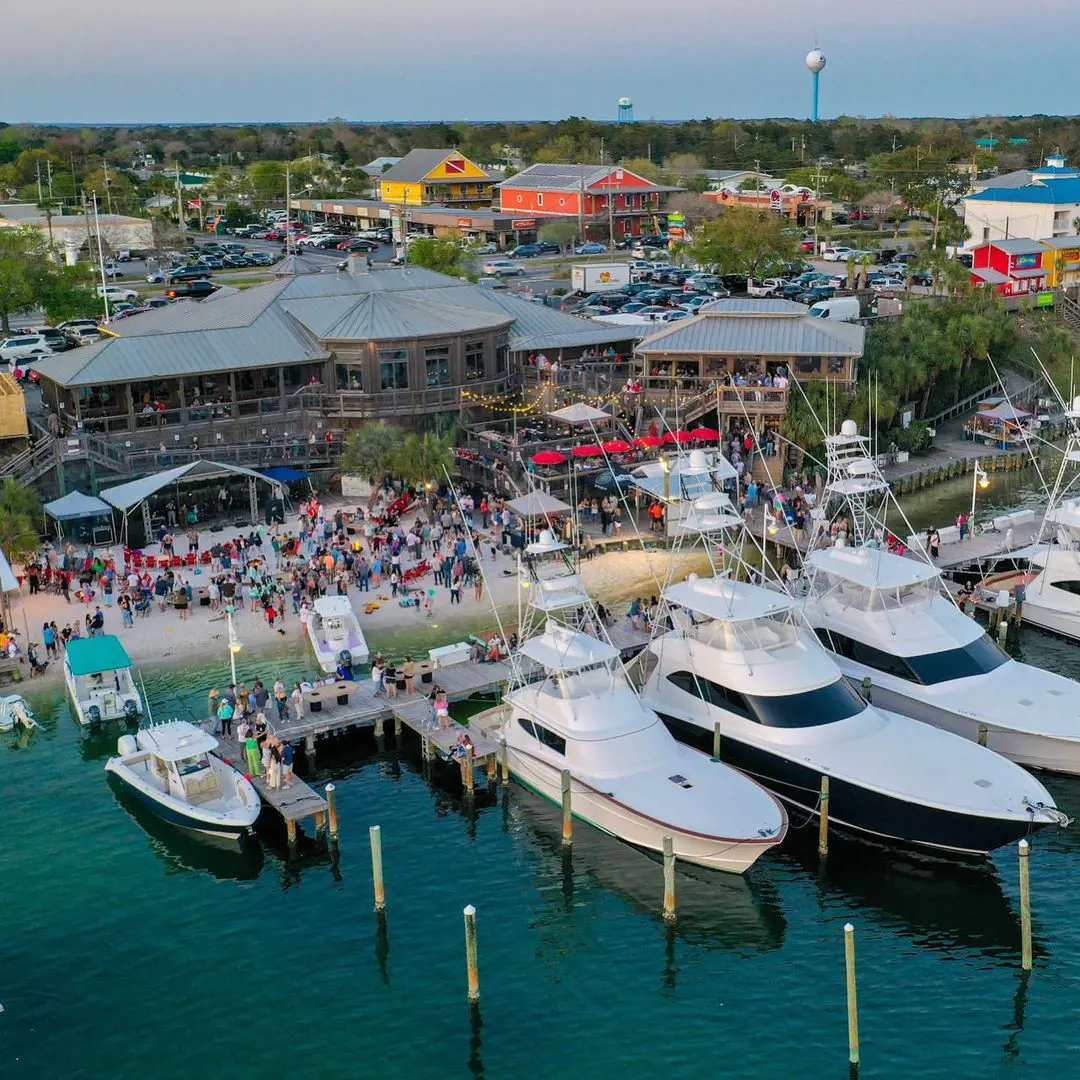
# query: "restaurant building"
(1010, 267)
(436, 178)
(606, 199)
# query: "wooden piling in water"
(468, 766)
(471, 962)
(567, 811)
(504, 753)
(375, 834)
(716, 741)
(1025, 906)
(823, 820)
(331, 811)
(852, 995)
(290, 832)
(669, 879)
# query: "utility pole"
(40, 196)
(108, 192)
(180, 219)
(48, 173)
(581, 205)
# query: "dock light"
(773, 530)
(984, 481)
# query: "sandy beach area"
(162, 637)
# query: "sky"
(275, 60)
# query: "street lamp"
(234, 643)
(980, 480)
(665, 465)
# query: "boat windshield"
(187, 766)
(810, 708)
(977, 658)
(769, 632)
(853, 596)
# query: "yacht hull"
(859, 809)
(1064, 623)
(618, 820)
(1025, 748)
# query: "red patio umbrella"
(617, 446)
(548, 457)
(679, 436)
(587, 451)
(705, 434)
(649, 441)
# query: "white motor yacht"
(884, 617)
(172, 768)
(335, 634)
(741, 656)
(572, 708)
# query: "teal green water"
(129, 950)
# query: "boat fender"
(126, 744)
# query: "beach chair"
(151, 562)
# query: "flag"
(194, 204)
(455, 165)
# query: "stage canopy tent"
(285, 474)
(537, 503)
(135, 493)
(76, 505)
(1005, 413)
(579, 414)
(8, 581)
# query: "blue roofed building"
(1046, 206)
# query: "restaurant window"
(807, 365)
(502, 355)
(394, 369)
(349, 377)
(474, 360)
(437, 365)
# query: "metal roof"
(75, 505)
(126, 496)
(569, 178)
(747, 305)
(1055, 190)
(1018, 245)
(416, 164)
(1032, 272)
(389, 316)
(1061, 241)
(765, 335)
(989, 275)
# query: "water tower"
(626, 111)
(815, 61)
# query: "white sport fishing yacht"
(1052, 578)
(572, 708)
(884, 617)
(741, 655)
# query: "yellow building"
(437, 178)
(1062, 261)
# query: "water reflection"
(182, 852)
(940, 903)
(714, 910)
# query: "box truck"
(599, 277)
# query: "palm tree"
(370, 450)
(20, 510)
(424, 460)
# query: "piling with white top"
(505, 756)
(1025, 906)
(669, 879)
(471, 963)
(852, 997)
(331, 810)
(375, 833)
(567, 812)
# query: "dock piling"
(375, 834)
(567, 813)
(468, 765)
(1025, 906)
(331, 811)
(505, 754)
(471, 963)
(823, 820)
(669, 879)
(868, 689)
(852, 997)
(290, 832)
(716, 741)
(983, 731)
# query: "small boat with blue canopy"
(99, 679)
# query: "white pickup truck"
(766, 287)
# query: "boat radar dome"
(698, 461)
(849, 427)
(545, 543)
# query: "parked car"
(55, 338)
(887, 284)
(486, 248)
(836, 253)
(501, 268)
(23, 347)
(261, 258)
(766, 287)
(215, 262)
(590, 248)
(75, 327)
(696, 303)
(806, 245)
(188, 273)
(525, 251)
(235, 262)
(547, 247)
(814, 295)
(922, 277)
(117, 294)
(194, 289)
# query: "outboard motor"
(345, 662)
(93, 716)
(131, 711)
(126, 744)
